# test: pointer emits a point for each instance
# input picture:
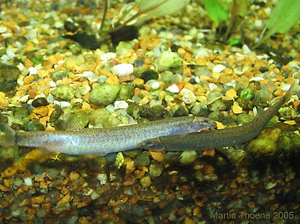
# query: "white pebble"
(52, 84)
(32, 71)
(154, 84)
(188, 96)
(28, 181)
(121, 104)
(106, 57)
(173, 89)
(218, 68)
(102, 177)
(3, 29)
(122, 69)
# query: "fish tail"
(7, 136)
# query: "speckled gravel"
(176, 67)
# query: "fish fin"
(151, 144)
(7, 136)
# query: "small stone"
(63, 92)
(156, 169)
(104, 94)
(173, 89)
(28, 79)
(102, 177)
(142, 159)
(35, 126)
(123, 69)
(59, 75)
(42, 110)
(236, 109)
(218, 68)
(41, 101)
(187, 157)
(145, 181)
(188, 96)
(3, 101)
(126, 92)
(169, 60)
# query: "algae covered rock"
(126, 92)
(169, 60)
(63, 92)
(8, 77)
(78, 121)
(59, 75)
(104, 94)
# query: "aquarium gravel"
(56, 75)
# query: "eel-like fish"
(103, 140)
(216, 138)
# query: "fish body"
(108, 140)
(216, 138)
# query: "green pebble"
(216, 116)
(126, 92)
(35, 126)
(63, 92)
(244, 118)
(77, 121)
(37, 60)
(99, 116)
(247, 93)
(156, 169)
(143, 159)
(119, 160)
(8, 77)
(288, 141)
(261, 148)
(134, 110)
(169, 98)
(179, 110)
(287, 112)
(102, 78)
(154, 113)
(166, 77)
(245, 103)
(187, 157)
(219, 104)
(56, 113)
(169, 60)
(104, 94)
(124, 46)
(200, 110)
(61, 122)
(59, 75)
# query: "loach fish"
(216, 138)
(103, 140)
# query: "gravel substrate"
(56, 75)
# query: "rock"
(188, 96)
(8, 77)
(126, 92)
(169, 60)
(63, 92)
(187, 157)
(104, 94)
(142, 159)
(59, 75)
(78, 121)
(123, 69)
